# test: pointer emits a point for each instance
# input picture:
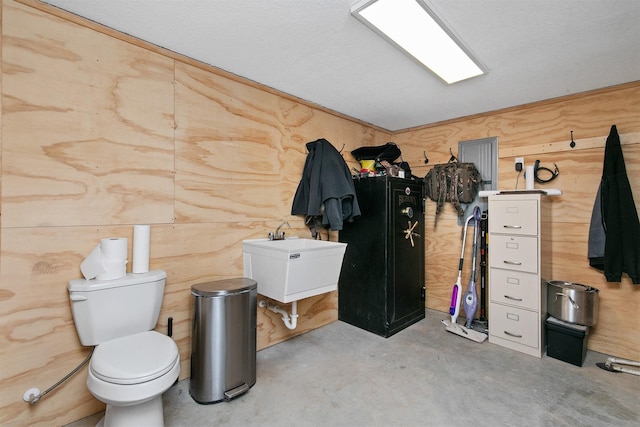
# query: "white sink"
(292, 269)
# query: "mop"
(470, 297)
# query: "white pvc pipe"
(289, 320)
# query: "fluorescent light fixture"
(415, 29)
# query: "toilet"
(132, 365)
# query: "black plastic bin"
(223, 339)
(566, 341)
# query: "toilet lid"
(135, 358)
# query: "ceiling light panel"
(411, 26)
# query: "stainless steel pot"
(572, 302)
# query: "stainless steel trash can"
(223, 339)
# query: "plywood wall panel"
(542, 131)
(190, 254)
(1, 115)
(314, 311)
(579, 178)
(197, 253)
(87, 126)
(228, 150)
(619, 302)
(240, 151)
(441, 261)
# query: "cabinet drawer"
(514, 217)
(514, 288)
(514, 253)
(514, 324)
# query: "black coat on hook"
(326, 188)
(614, 234)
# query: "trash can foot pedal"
(235, 392)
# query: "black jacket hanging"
(617, 216)
(326, 189)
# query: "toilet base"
(148, 414)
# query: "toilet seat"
(134, 359)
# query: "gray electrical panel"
(484, 154)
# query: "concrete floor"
(340, 375)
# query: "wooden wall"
(101, 131)
(542, 131)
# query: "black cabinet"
(381, 286)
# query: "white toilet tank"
(107, 309)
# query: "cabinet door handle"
(512, 226)
(512, 262)
(512, 334)
(513, 298)
(409, 233)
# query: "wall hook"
(452, 158)
(572, 143)
(426, 160)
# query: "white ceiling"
(317, 51)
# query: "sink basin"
(292, 269)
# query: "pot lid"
(571, 285)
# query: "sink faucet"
(279, 235)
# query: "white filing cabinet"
(519, 268)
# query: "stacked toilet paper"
(108, 260)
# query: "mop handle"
(464, 241)
(474, 248)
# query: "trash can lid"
(224, 287)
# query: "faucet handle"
(279, 235)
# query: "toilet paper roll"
(141, 241)
(114, 248)
(92, 265)
(114, 269)
(529, 177)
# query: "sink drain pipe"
(290, 320)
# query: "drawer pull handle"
(512, 262)
(513, 298)
(512, 334)
(512, 226)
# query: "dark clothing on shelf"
(326, 189)
(615, 215)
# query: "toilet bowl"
(130, 374)
(132, 365)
